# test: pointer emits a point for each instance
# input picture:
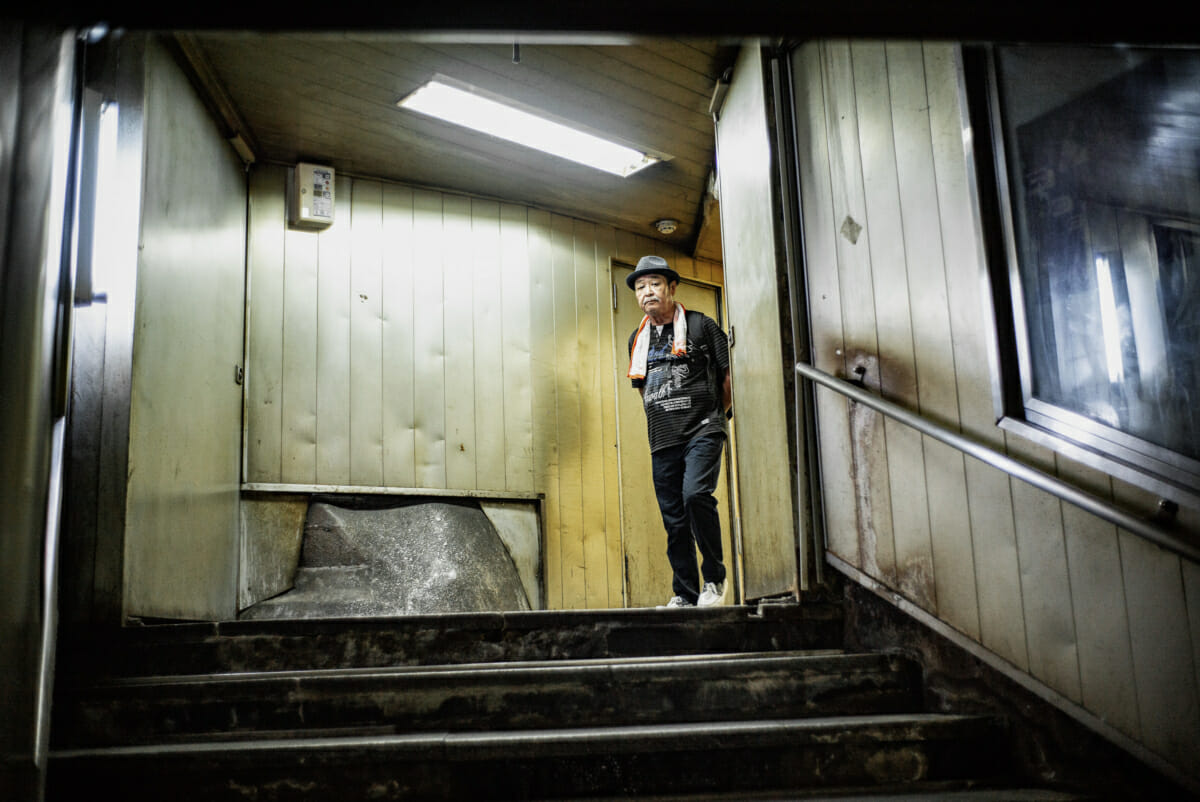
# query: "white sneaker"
(711, 594)
(676, 601)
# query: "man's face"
(655, 295)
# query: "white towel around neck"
(641, 343)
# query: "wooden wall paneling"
(824, 295)
(591, 287)
(1163, 655)
(1107, 684)
(298, 394)
(545, 396)
(957, 204)
(950, 477)
(515, 288)
(429, 415)
(897, 373)
(716, 274)
(868, 450)
(570, 456)
(612, 380)
(458, 301)
(333, 344)
(629, 248)
(366, 332)
(488, 346)
(264, 347)
(928, 302)
(1045, 582)
(399, 385)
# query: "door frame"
(631, 432)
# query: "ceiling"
(331, 98)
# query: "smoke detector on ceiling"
(666, 226)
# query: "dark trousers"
(685, 477)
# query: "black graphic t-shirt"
(682, 394)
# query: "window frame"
(1169, 474)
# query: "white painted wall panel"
(429, 350)
(298, 384)
(458, 309)
(869, 466)
(748, 219)
(518, 365)
(824, 298)
(333, 345)
(488, 344)
(264, 368)
(182, 504)
(399, 387)
(366, 333)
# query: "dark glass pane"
(1103, 148)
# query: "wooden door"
(647, 572)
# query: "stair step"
(507, 696)
(164, 649)
(693, 757)
(953, 791)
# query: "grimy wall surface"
(181, 517)
(1104, 622)
(436, 341)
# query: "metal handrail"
(1051, 484)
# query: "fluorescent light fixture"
(469, 108)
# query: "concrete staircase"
(724, 703)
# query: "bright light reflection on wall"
(480, 113)
(1108, 321)
(106, 227)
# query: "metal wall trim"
(1141, 527)
(363, 490)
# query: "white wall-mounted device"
(311, 202)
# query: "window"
(1093, 162)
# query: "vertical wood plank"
(896, 362)
(928, 303)
(399, 385)
(333, 346)
(1045, 584)
(298, 397)
(515, 261)
(1162, 651)
(366, 333)
(609, 344)
(869, 476)
(1106, 678)
(429, 414)
(948, 477)
(589, 284)
(458, 304)
(824, 299)
(953, 537)
(570, 477)
(264, 369)
(545, 396)
(490, 444)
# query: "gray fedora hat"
(651, 264)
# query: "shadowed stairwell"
(732, 703)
